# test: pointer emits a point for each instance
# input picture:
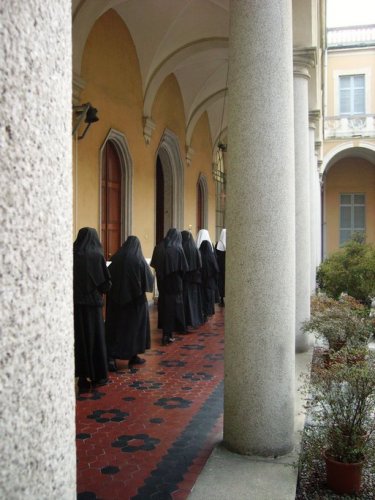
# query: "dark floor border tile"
(169, 472)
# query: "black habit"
(210, 271)
(192, 282)
(127, 318)
(169, 262)
(220, 250)
(90, 280)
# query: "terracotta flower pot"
(343, 478)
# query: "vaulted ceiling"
(188, 38)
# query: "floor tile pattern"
(148, 433)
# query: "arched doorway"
(111, 182)
(116, 192)
(348, 195)
(202, 196)
(199, 208)
(169, 186)
(163, 200)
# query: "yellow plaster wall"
(201, 164)
(110, 69)
(349, 175)
(167, 113)
(350, 62)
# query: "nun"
(210, 271)
(192, 282)
(203, 235)
(91, 280)
(127, 315)
(220, 250)
(169, 262)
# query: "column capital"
(303, 60)
(314, 117)
(148, 128)
(78, 85)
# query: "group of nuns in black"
(187, 280)
(127, 328)
(187, 283)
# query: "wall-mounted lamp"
(84, 111)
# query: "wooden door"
(111, 201)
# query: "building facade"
(349, 139)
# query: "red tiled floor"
(149, 433)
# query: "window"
(352, 94)
(352, 215)
(219, 177)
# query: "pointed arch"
(202, 203)
(170, 157)
(120, 144)
(172, 61)
(203, 106)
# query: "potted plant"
(342, 322)
(341, 419)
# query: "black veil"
(131, 275)
(209, 263)
(175, 258)
(168, 256)
(191, 251)
(89, 266)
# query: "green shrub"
(342, 322)
(350, 270)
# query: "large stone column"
(37, 398)
(303, 59)
(314, 117)
(260, 273)
(313, 207)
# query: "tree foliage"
(350, 270)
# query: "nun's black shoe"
(165, 340)
(83, 385)
(102, 381)
(139, 361)
(136, 360)
(112, 366)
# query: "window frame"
(366, 71)
(352, 88)
(352, 206)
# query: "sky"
(350, 12)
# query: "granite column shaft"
(260, 272)
(37, 450)
(302, 179)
